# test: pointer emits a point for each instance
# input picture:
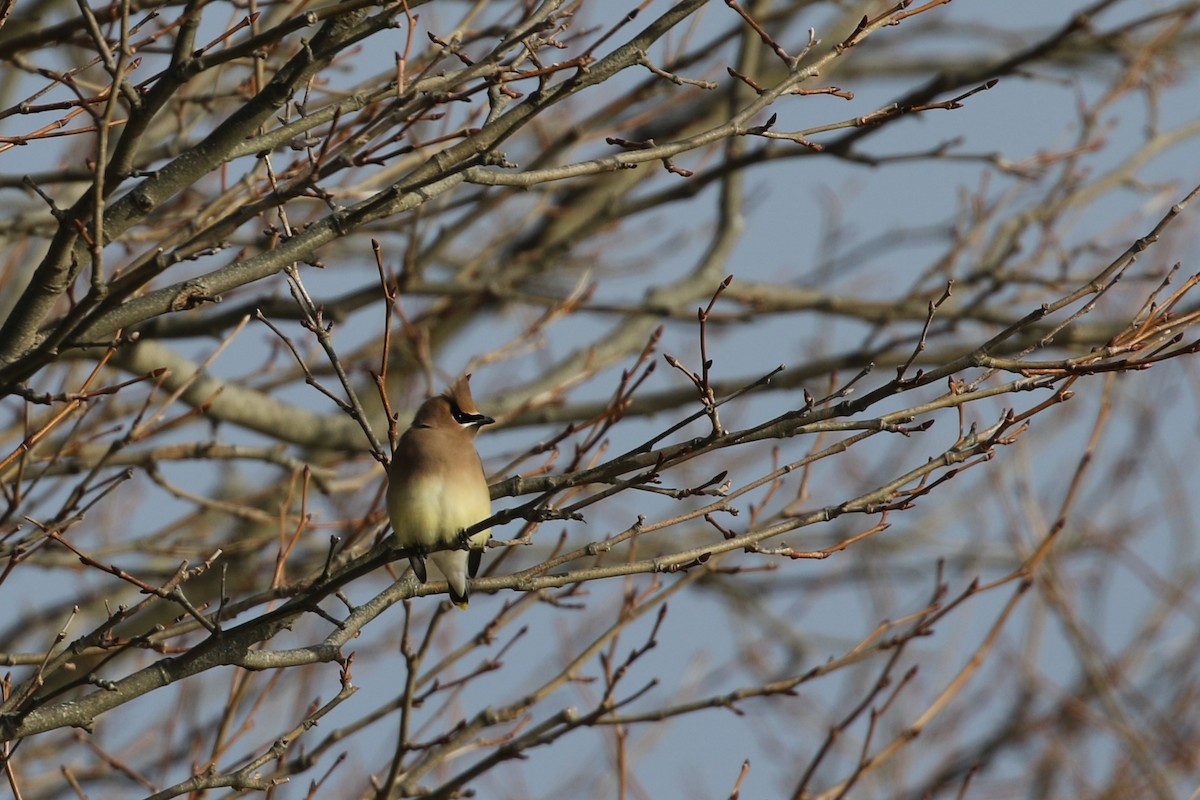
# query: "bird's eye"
(468, 419)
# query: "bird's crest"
(459, 395)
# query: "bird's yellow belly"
(427, 515)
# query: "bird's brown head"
(453, 408)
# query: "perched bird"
(437, 489)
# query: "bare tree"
(788, 501)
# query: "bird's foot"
(464, 541)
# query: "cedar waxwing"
(437, 489)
